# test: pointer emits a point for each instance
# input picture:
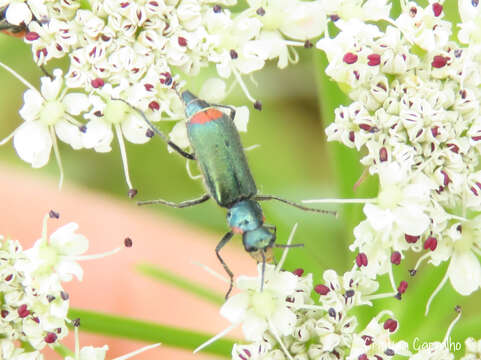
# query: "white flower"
(464, 270)
(48, 114)
(424, 26)
(375, 340)
(473, 349)
(59, 252)
(399, 202)
(17, 12)
(364, 10)
(108, 112)
(34, 306)
(213, 90)
(352, 289)
(470, 12)
(91, 353)
(254, 351)
(9, 351)
(259, 311)
(52, 107)
(348, 53)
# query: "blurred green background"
(293, 161)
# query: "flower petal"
(76, 103)
(50, 88)
(18, 12)
(68, 242)
(178, 135)
(69, 134)
(378, 218)
(33, 143)
(32, 106)
(65, 270)
(253, 326)
(92, 353)
(135, 129)
(411, 219)
(305, 20)
(241, 118)
(464, 272)
(213, 90)
(98, 136)
(284, 321)
(234, 308)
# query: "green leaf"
(180, 282)
(132, 329)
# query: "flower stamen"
(451, 326)
(57, 155)
(276, 335)
(211, 272)
(216, 337)
(123, 154)
(435, 292)
(242, 84)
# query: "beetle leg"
(219, 246)
(288, 202)
(182, 204)
(173, 145)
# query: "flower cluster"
(283, 321)
(141, 52)
(415, 117)
(34, 304)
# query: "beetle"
(218, 150)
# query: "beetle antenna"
(299, 206)
(288, 245)
(174, 87)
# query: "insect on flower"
(219, 153)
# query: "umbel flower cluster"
(415, 118)
(138, 51)
(34, 304)
(285, 322)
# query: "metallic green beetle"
(219, 153)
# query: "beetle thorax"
(245, 215)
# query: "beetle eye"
(229, 214)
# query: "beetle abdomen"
(220, 155)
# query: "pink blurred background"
(111, 285)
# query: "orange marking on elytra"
(206, 116)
